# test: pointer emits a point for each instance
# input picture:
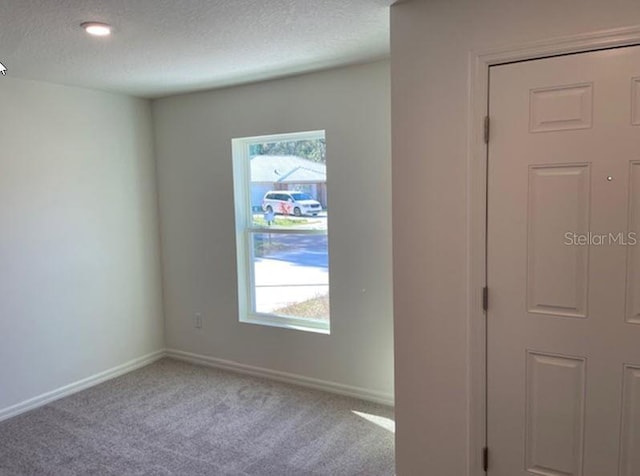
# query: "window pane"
(280, 192)
(291, 274)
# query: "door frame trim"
(477, 155)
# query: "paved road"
(289, 269)
(303, 250)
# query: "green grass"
(258, 220)
(314, 308)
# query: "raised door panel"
(558, 216)
(555, 399)
(561, 108)
(633, 251)
(635, 101)
(630, 423)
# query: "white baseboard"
(85, 383)
(332, 387)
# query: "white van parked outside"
(290, 202)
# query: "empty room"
(196, 247)
(296, 238)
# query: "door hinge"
(487, 127)
(485, 459)
(485, 298)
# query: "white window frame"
(245, 229)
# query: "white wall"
(80, 288)
(431, 41)
(193, 142)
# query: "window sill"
(315, 325)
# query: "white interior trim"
(317, 384)
(479, 63)
(40, 400)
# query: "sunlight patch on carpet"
(386, 423)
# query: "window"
(280, 188)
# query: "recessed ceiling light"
(96, 29)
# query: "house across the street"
(287, 172)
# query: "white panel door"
(563, 269)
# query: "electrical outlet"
(197, 320)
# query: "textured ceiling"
(162, 47)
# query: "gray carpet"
(173, 418)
